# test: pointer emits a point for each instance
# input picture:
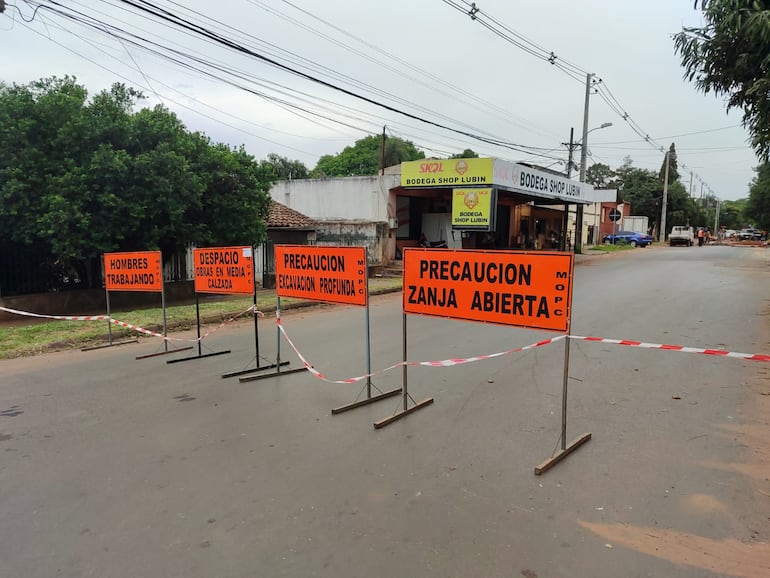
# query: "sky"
(488, 77)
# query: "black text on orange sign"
(334, 274)
(138, 271)
(224, 270)
(503, 287)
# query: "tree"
(643, 189)
(730, 56)
(673, 166)
(731, 214)
(601, 176)
(284, 169)
(466, 154)
(364, 157)
(80, 178)
(758, 206)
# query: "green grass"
(613, 248)
(42, 336)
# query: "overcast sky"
(422, 57)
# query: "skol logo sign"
(461, 167)
(471, 199)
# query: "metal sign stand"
(200, 354)
(369, 385)
(406, 410)
(110, 342)
(256, 345)
(576, 443)
(166, 350)
(278, 363)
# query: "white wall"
(349, 198)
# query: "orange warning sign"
(518, 288)
(139, 271)
(224, 270)
(335, 274)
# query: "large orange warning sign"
(518, 288)
(224, 270)
(335, 274)
(139, 271)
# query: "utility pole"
(716, 219)
(565, 219)
(662, 232)
(583, 159)
(382, 152)
(691, 184)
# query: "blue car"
(628, 237)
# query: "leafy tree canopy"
(79, 178)
(730, 56)
(601, 176)
(673, 166)
(466, 154)
(284, 169)
(758, 206)
(364, 157)
(643, 189)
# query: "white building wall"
(349, 198)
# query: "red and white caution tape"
(682, 348)
(442, 363)
(131, 326)
(61, 317)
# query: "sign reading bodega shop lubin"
(446, 172)
(473, 209)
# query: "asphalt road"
(114, 467)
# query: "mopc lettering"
(505, 287)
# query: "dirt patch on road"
(729, 557)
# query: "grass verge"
(54, 335)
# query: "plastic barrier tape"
(442, 363)
(130, 326)
(682, 348)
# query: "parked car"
(628, 237)
(749, 234)
(681, 235)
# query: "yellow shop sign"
(472, 208)
(446, 172)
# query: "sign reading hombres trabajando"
(333, 274)
(136, 271)
(224, 270)
(473, 209)
(524, 289)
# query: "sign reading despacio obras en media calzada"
(497, 173)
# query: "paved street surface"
(113, 467)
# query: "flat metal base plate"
(366, 401)
(113, 344)
(253, 369)
(198, 356)
(270, 375)
(549, 463)
(403, 413)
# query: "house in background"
(285, 226)
(526, 207)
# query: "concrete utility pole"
(662, 232)
(565, 219)
(583, 159)
(382, 153)
(716, 219)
